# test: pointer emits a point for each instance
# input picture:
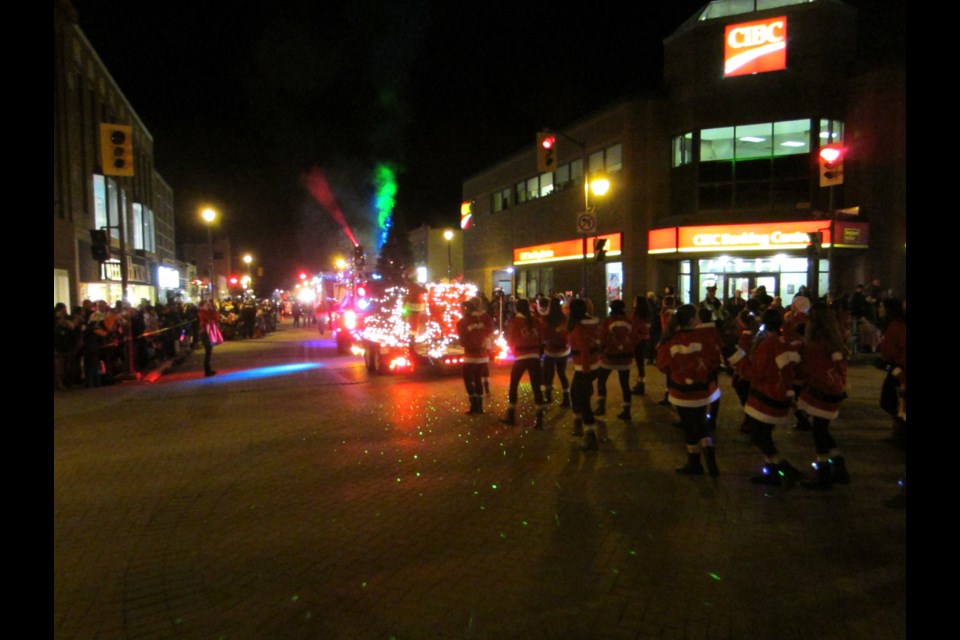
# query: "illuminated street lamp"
(209, 216)
(248, 259)
(448, 235)
(599, 186)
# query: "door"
(748, 282)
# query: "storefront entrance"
(746, 283)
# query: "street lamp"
(448, 234)
(599, 186)
(209, 216)
(247, 259)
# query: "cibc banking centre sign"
(755, 47)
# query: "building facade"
(716, 178)
(136, 211)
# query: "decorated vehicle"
(413, 327)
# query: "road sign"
(586, 223)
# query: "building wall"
(822, 80)
(86, 95)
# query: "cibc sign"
(755, 47)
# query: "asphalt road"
(293, 495)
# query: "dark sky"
(242, 99)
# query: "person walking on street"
(617, 351)
(641, 317)
(584, 332)
(208, 318)
(771, 368)
(474, 329)
(893, 358)
(525, 337)
(556, 350)
(823, 369)
(667, 310)
(691, 364)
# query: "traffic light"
(99, 244)
(116, 149)
(546, 152)
(816, 240)
(599, 251)
(831, 165)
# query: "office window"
(831, 131)
(522, 191)
(683, 149)
(757, 165)
(596, 161)
(716, 144)
(546, 184)
(149, 231)
(136, 225)
(113, 208)
(613, 158)
(99, 202)
(501, 200)
(791, 137)
(562, 177)
(754, 141)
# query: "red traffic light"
(303, 275)
(234, 279)
(547, 142)
(831, 153)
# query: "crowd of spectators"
(97, 344)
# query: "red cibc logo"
(755, 47)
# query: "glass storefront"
(781, 275)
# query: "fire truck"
(414, 327)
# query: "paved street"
(294, 496)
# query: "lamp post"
(599, 186)
(209, 216)
(248, 280)
(448, 235)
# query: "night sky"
(244, 99)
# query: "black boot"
(548, 394)
(839, 467)
(824, 478)
(693, 466)
(639, 389)
(486, 387)
(566, 399)
(625, 414)
(473, 406)
(538, 425)
(601, 407)
(590, 441)
(577, 428)
(479, 401)
(510, 417)
(710, 455)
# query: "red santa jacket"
(617, 342)
(824, 372)
(770, 368)
(690, 358)
(556, 343)
(525, 337)
(474, 329)
(585, 345)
